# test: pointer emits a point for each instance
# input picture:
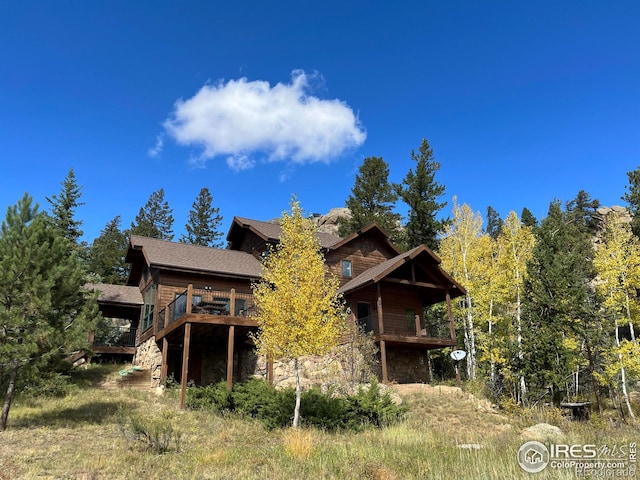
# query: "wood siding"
(364, 253)
(251, 243)
(396, 300)
(170, 284)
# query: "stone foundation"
(407, 365)
(214, 364)
(149, 357)
(343, 367)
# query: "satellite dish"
(458, 355)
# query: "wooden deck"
(205, 319)
(415, 341)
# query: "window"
(346, 268)
(149, 304)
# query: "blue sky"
(522, 102)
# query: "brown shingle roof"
(271, 231)
(378, 272)
(183, 256)
(116, 293)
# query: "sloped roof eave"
(393, 264)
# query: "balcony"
(114, 339)
(401, 329)
(207, 305)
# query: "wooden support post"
(450, 314)
(383, 347)
(165, 356)
(232, 329)
(232, 303)
(185, 364)
(269, 370)
(383, 361)
(380, 313)
(418, 327)
(189, 298)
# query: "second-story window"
(149, 303)
(346, 268)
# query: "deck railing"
(411, 326)
(207, 301)
(116, 336)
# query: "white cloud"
(240, 162)
(242, 120)
(157, 148)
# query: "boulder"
(541, 432)
(328, 223)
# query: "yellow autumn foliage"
(299, 310)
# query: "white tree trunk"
(296, 411)
(523, 385)
(471, 355)
(623, 378)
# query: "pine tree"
(420, 192)
(560, 314)
(494, 222)
(583, 212)
(204, 221)
(155, 219)
(107, 254)
(299, 311)
(44, 312)
(63, 208)
(632, 197)
(372, 199)
(528, 219)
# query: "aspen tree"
(517, 242)
(617, 262)
(461, 249)
(299, 310)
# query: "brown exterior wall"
(252, 244)
(363, 253)
(396, 299)
(171, 283)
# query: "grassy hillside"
(448, 434)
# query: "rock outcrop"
(328, 223)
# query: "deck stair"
(133, 377)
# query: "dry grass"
(79, 437)
(298, 443)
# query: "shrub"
(154, 433)
(213, 397)
(274, 408)
(257, 399)
(322, 410)
(372, 407)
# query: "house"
(116, 334)
(196, 322)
